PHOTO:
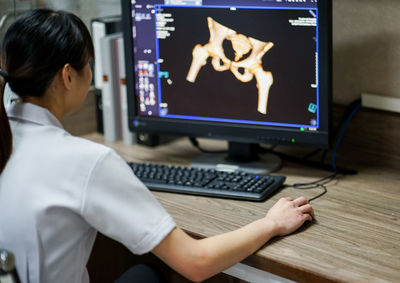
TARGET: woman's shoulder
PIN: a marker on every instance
(84, 154)
(85, 146)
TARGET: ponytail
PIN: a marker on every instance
(5, 130)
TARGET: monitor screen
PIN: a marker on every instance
(246, 71)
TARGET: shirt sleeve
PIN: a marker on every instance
(118, 205)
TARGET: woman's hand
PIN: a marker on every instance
(288, 214)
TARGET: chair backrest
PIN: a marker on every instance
(8, 272)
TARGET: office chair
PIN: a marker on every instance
(8, 273)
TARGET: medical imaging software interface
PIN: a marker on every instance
(252, 62)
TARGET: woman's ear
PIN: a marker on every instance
(66, 76)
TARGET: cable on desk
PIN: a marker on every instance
(339, 132)
(348, 114)
(320, 183)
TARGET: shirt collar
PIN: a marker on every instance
(32, 113)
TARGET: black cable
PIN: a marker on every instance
(323, 187)
(338, 134)
(354, 107)
(320, 183)
(348, 113)
(349, 109)
(196, 144)
(320, 195)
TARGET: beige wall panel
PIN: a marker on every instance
(366, 48)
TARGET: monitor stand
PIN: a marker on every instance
(241, 156)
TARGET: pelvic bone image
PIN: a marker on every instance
(241, 44)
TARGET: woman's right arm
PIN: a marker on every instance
(198, 260)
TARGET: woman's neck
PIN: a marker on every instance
(53, 105)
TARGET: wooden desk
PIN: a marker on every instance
(355, 238)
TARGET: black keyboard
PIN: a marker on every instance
(206, 182)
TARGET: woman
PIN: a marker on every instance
(57, 191)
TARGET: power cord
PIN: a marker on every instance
(348, 114)
(339, 132)
(338, 135)
(346, 118)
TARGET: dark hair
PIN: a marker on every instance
(35, 47)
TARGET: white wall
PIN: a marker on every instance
(87, 9)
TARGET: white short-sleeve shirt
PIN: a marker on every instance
(58, 190)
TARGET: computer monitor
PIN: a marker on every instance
(245, 71)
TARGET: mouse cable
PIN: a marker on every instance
(339, 132)
(348, 114)
(320, 183)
